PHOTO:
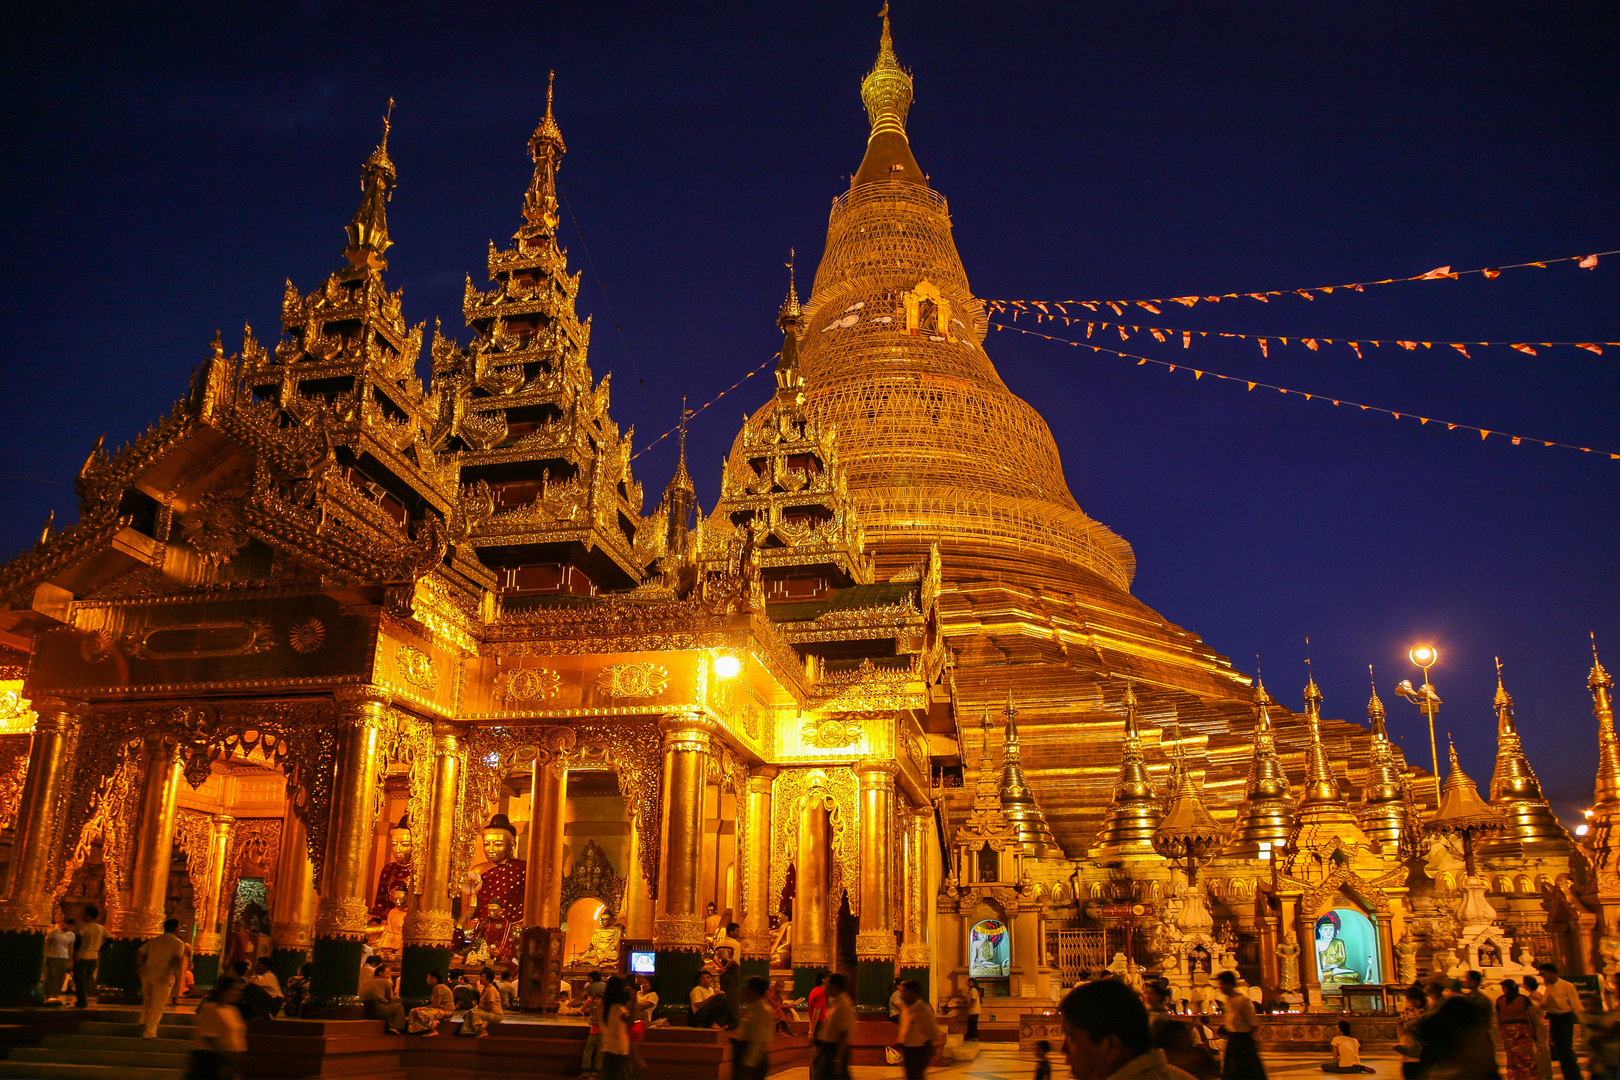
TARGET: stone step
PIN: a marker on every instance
(124, 1055)
(165, 1030)
(66, 1041)
(67, 1070)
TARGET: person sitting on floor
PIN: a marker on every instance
(378, 998)
(424, 1020)
(1346, 1052)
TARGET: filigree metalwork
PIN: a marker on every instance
(416, 667)
(789, 794)
(592, 874)
(527, 684)
(13, 774)
(193, 832)
(831, 734)
(642, 680)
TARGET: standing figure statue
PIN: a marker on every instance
(1406, 959)
(1288, 960)
(397, 871)
(496, 913)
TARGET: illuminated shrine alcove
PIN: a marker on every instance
(579, 923)
(1346, 949)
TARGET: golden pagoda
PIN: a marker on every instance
(1384, 814)
(1267, 818)
(1532, 827)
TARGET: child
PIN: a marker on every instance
(1346, 1052)
(1043, 1067)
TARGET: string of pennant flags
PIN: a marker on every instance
(1439, 273)
(1265, 341)
(1256, 384)
(689, 414)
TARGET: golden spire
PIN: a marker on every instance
(1608, 777)
(1136, 812)
(368, 231)
(886, 90)
(788, 380)
(546, 150)
(1017, 801)
(1462, 811)
(1266, 817)
(1514, 787)
(682, 480)
(1383, 815)
(1321, 788)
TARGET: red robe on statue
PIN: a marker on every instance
(394, 873)
(500, 908)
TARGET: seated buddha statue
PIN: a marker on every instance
(397, 871)
(495, 916)
(393, 935)
(1331, 954)
(603, 950)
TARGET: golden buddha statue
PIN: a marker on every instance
(397, 871)
(603, 950)
(495, 916)
(392, 938)
(1331, 954)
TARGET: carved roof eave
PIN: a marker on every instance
(495, 534)
(91, 534)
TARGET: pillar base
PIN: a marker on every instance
(676, 974)
(804, 980)
(415, 961)
(205, 970)
(284, 961)
(22, 966)
(118, 974)
(919, 975)
(335, 983)
(874, 982)
(752, 967)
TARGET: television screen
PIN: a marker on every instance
(642, 963)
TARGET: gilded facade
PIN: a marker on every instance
(340, 655)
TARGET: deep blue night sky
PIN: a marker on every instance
(163, 178)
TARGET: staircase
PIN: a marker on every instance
(109, 1046)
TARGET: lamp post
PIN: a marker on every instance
(1425, 698)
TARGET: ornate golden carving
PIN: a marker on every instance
(593, 875)
(831, 734)
(416, 667)
(341, 917)
(875, 945)
(837, 787)
(13, 774)
(215, 524)
(435, 928)
(680, 933)
(527, 684)
(194, 834)
(642, 680)
(306, 635)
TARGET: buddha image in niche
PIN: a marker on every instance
(1331, 953)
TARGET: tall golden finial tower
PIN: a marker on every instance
(1135, 811)
(1602, 842)
(1531, 824)
(1266, 817)
(1017, 801)
(1321, 786)
(368, 231)
(1384, 814)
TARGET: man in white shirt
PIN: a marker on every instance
(919, 1032)
(703, 991)
(1563, 1005)
(58, 958)
(88, 954)
(158, 962)
(836, 1030)
(753, 1034)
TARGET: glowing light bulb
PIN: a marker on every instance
(1424, 656)
(727, 666)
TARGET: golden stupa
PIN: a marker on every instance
(939, 451)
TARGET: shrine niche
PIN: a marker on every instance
(593, 875)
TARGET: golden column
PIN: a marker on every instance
(340, 919)
(25, 913)
(756, 873)
(429, 926)
(812, 946)
(915, 957)
(141, 918)
(874, 943)
(293, 911)
(678, 929)
(548, 801)
(638, 890)
(213, 917)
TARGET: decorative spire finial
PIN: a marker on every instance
(886, 90)
(368, 231)
(682, 480)
(1375, 709)
(546, 149)
(1602, 687)
(1321, 787)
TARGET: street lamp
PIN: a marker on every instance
(1425, 698)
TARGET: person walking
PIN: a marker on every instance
(816, 1010)
(616, 1030)
(919, 1030)
(1412, 1012)
(158, 964)
(1514, 1021)
(837, 1029)
(1106, 1034)
(59, 945)
(1538, 1025)
(218, 1035)
(1456, 1040)
(1562, 1003)
(749, 1046)
(1242, 1058)
(975, 998)
(475, 1021)
(87, 955)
